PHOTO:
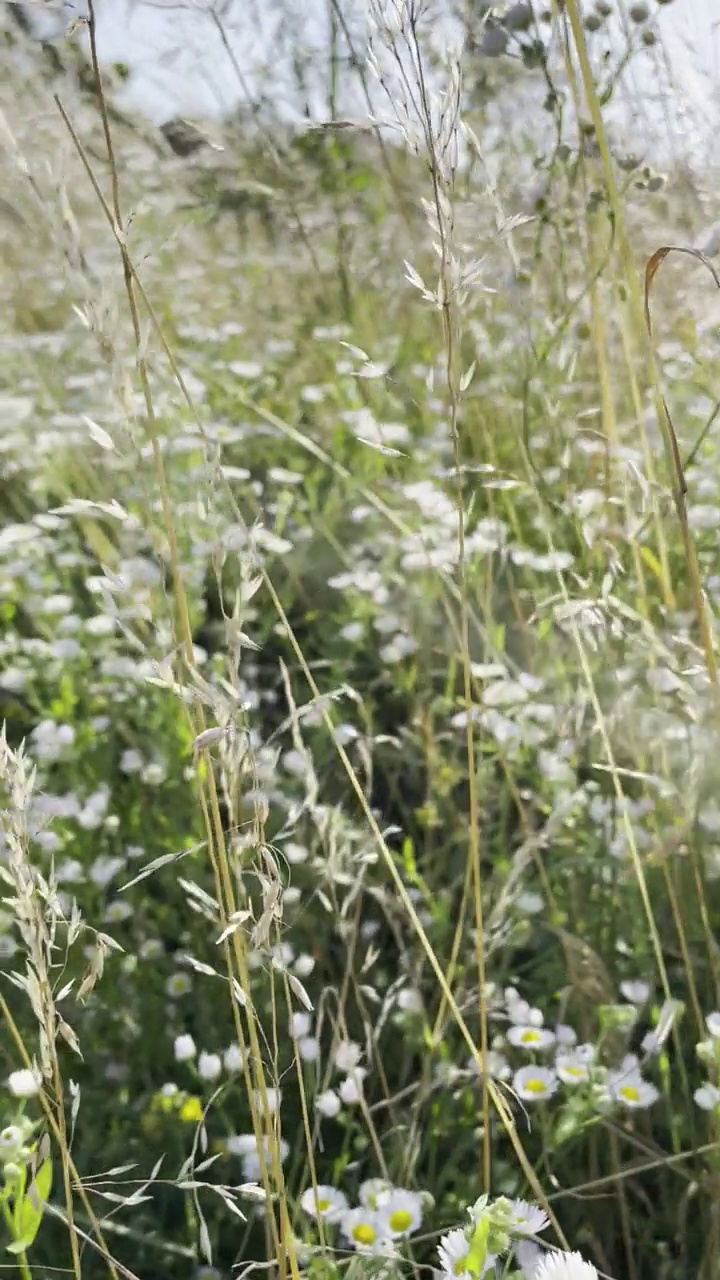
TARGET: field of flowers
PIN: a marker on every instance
(360, 844)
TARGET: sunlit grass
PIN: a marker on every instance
(358, 644)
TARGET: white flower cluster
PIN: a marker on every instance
(385, 1215)
(707, 1096)
(558, 1059)
(498, 1240)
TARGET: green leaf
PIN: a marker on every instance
(29, 1209)
(477, 1253)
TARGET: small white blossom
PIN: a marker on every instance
(565, 1266)
(309, 1049)
(324, 1202)
(24, 1084)
(534, 1084)
(363, 1229)
(530, 1037)
(636, 992)
(708, 1097)
(526, 1219)
(300, 1024)
(631, 1090)
(453, 1251)
(351, 1087)
(233, 1058)
(571, 1068)
(185, 1049)
(400, 1213)
(328, 1104)
(713, 1025)
(347, 1055)
(374, 1192)
(209, 1066)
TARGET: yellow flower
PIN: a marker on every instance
(191, 1110)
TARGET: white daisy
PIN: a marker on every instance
(565, 1266)
(328, 1104)
(528, 1256)
(631, 1090)
(363, 1228)
(565, 1035)
(530, 1037)
(453, 1251)
(713, 1025)
(534, 1084)
(300, 1024)
(635, 992)
(209, 1066)
(708, 1097)
(571, 1069)
(526, 1219)
(496, 1064)
(24, 1083)
(374, 1192)
(347, 1055)
(324, 1202)
(400, 1213)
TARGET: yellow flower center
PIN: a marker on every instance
(630, 1093)
(322, 1205)
(460, 1266)
(364, 1233)
(401, 1220)
(536, 1086)
(530, 1037)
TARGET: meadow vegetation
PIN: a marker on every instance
(358, 665)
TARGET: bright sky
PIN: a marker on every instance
(280, 49)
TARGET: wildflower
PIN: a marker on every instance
(351, 1087)
(12, 1143)
(241, 1144)
(233, 1058)
(309, 1048)
(24, 1084)
(185, 1049)
(245, 1146)
(528, 1256)
(304, 964)
(178, 984)
(347, 1055)
(374, 1192)
(571, 1068)
(409, 1000)
(565, 1266)
(496, 1065)
(454, 1251)
(707, 1097)
(191, 1110)
(635, 992)
(324, 1202)
(131, 761)
(713, 1025)
(521, 1013)
(209, 1066)
(526, 1219)
(273, 1098)
(530, 1037)
(362, 1228)
(328, 1104)
(400, 1213)
(629, 1088)
(300, 1024)
(534, 1084)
